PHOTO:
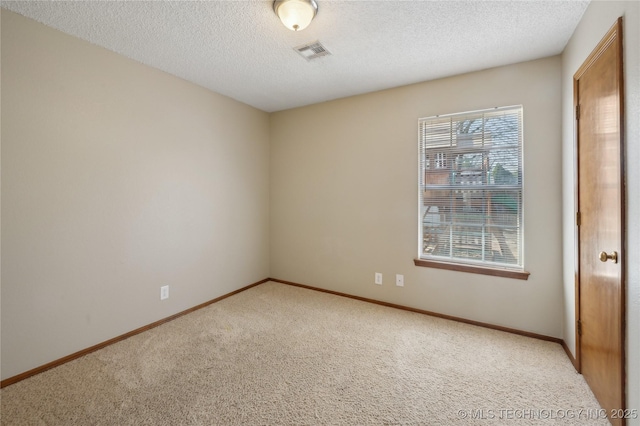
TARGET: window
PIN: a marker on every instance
(470, 190)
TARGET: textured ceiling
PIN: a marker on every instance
(240, 48)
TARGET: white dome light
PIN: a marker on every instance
(296, 14)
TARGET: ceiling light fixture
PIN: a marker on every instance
(295, 14)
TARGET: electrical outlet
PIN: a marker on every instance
(378, 278)
(164, 292)
(400, 280)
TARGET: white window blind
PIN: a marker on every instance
(470, 188)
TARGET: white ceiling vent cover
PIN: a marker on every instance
(312, 50)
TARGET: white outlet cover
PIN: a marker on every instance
(400, 280)
(378, 278)
(164, 292)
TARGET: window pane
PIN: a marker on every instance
(471, 188)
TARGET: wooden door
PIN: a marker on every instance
(598, 91)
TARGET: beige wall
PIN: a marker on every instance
(117, 179)
(597, 20)
(344, 197)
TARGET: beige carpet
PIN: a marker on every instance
(282, 355)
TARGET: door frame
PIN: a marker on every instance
(613, 35)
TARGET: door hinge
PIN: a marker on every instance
(579, 327)
(578, 112)
(577, 218)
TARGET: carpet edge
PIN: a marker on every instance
(557, 340)
(55, 363)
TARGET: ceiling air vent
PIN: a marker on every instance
(312, 50)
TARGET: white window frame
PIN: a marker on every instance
(460, 179)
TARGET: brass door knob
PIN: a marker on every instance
(613, 256)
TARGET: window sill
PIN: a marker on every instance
(518, 275)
